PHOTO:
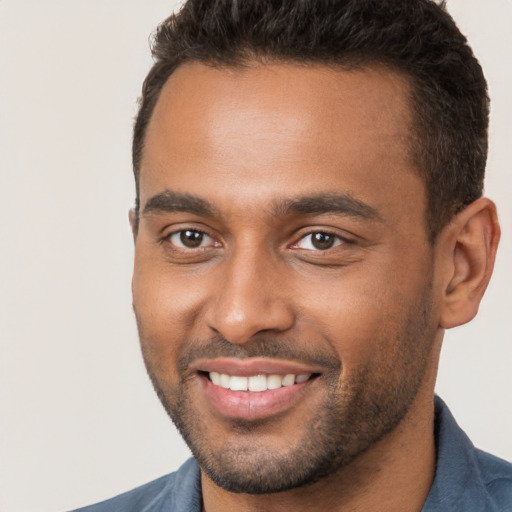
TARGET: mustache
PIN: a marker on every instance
(265, 347)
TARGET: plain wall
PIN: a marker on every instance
(79, 421)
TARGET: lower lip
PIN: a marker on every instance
(251, 405)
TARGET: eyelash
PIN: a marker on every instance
(337, 240)
(168, 238)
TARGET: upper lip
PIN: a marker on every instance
(252, 366)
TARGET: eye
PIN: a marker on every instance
(190, 239)
(319, 241)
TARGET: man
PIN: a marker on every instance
(309, 220)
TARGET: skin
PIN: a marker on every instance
(367, 314)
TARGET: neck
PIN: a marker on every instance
(394, 474)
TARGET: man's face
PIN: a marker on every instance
(283, 278)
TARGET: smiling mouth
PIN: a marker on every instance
(256, 389)
(257, 383)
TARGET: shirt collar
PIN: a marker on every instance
(457, 483)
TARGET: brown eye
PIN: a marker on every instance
(319, 241)
(322, 240)
(190, 239)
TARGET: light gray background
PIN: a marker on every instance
(78, 419)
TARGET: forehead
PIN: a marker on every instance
(263, 130)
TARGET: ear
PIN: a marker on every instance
(132, 216)
(468, 248)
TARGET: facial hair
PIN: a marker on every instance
(352, 415)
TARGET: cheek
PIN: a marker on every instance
(363, 318)
(163, 295)
(166, 307)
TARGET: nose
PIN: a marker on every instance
(250, 299)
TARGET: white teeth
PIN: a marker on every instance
(256, 383)
(215, 377)
(238, 383)
(225, 380)
(274, 381)
(289, 380)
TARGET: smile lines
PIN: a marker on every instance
(256, 383)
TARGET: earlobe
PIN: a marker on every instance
(471, 240)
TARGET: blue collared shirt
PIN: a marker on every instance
(466, 480)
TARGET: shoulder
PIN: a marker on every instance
(135, 500)
(466, 478)
(496, 476)
(177, 491)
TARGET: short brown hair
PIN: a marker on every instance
(415, 37)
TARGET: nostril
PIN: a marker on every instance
(240, 319)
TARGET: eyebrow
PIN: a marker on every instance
(343, 204)
(168, 202)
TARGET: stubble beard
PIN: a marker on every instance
(354, 415)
